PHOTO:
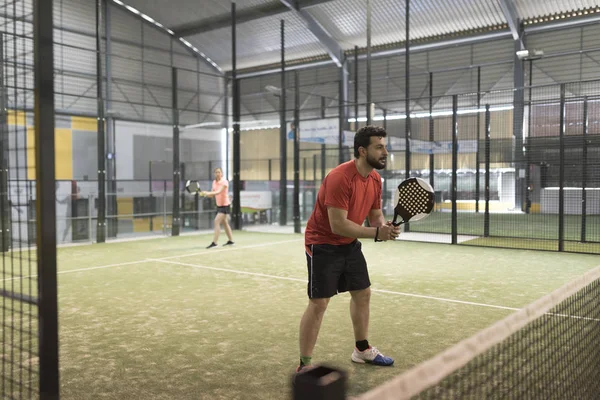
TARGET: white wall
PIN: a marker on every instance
(125, 131)
(572, 196)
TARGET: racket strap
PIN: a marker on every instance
(377, 235)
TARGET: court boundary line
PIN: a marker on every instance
(440, 299)
(145, 260)
(165, 260)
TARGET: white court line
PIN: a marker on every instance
(252, 246)
(79, 270)
(304, 281)
(446, 300)
(227, 270)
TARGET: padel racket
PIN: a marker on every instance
(193, 187)
(414, 200)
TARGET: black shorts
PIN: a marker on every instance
(335, 269)
(224, 209)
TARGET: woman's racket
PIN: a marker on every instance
(414, 200)
(193, 187)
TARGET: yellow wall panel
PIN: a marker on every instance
(16, 118)
(63, 152)
(84, 124)
(125, 205)
(30, 153)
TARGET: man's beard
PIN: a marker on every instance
(377, 163)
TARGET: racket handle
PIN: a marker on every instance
(397, 223)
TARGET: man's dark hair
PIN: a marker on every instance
(363, 137)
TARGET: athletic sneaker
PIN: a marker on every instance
(371, 356)
(229, 243)
(213, 244)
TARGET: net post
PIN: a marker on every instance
(101, 220)
(486, 218)
(297, 153)
(175, 220)
(561, 175)
(454, 167)
(584, 172)
(46, 198)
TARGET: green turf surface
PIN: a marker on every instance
(223, 323)
(528, 226)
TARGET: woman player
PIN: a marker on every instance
(221, 195)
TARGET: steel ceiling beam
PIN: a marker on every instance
(245, 15)
(333, 48)
(512, 17)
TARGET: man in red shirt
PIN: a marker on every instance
(350, 193)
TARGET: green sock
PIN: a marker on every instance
(305, 360)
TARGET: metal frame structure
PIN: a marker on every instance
(47, 301)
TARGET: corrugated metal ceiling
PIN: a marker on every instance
(259, 42)
(177, 12)
(529, 9)
(345, 20)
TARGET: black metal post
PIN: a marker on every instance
(111, 173)
(175, 219)
(527, 143)
(4, 147)
(304, 191)
(407, 101)
(477, 161)
(561, 174)
(314, 190)
(101, 220)
(431, 132)
(323, 107)
(235, 89)
(369, 95)
(282, 138)
(454, 167)
(486, 218)
(270, 170)
(210, 170)
(384, 173)
(518, 117)
(297, 153)
(584, 172)
(323, 161)
(152, 208)
(225, 123)
(43, 54)
(355, 88)
(341, 106)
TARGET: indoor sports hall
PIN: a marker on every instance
(160, 162)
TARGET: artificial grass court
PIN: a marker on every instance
(166, 319)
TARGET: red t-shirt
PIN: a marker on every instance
(343, 188)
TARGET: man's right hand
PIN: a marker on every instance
(388, 232)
